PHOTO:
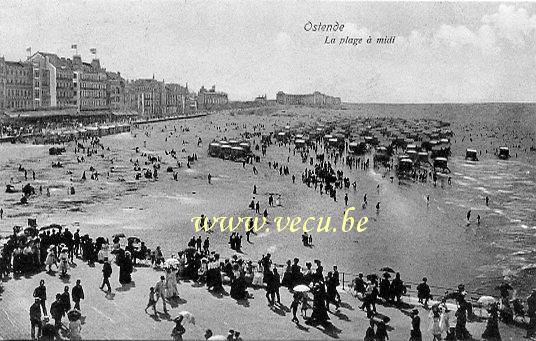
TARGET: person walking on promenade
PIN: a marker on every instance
(209, 178)
(77, 294)
(106, 273)
(178, 330)
(415, 334)
(57, 312)
(160, 290)
(152, 301)
(531, 312)
(41, 293)
(35, 318)
(66, 299)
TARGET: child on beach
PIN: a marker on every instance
(152, 301)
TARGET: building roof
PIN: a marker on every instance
(21, 64)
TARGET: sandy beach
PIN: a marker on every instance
(407, 235)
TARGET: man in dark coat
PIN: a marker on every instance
(41, 293)
(35, 318)
(77, 294)
(66, 299)
(106, 273)
(57, 312)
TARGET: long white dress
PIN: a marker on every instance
(103, 253)
(64, 262)
(258, 276)
(51, 258)
(171, 284)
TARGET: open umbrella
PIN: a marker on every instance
(171, 262)
(134, 239)
(486, 300)
(217, 338)
(119, 235)
(387, 269)
(51, 226)
(301, 288)
(188, 316)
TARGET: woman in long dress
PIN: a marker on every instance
(287, 276)
(51, 258)
(171, 284)
(125, 269)
(103, 253)
(435, 323)
(258, 276)
(64, 262)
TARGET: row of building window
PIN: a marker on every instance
(93, 103)
(20, 104)
(93, 85)
(18, 93)
(93, 93)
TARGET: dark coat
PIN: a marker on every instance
(78, 293)
(35, 312)
(56, 310)
(40, 292)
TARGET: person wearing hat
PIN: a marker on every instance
(237, 336)
(230, 336)
(160, 290)
(77, 294)
(178, 330)
(64, 261)
(35, 318)
(41, 293)
(106, 273)
(415, 334)
(57, 311)
(66, 299)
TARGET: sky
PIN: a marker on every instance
(443, 52)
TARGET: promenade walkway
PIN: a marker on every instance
(120, 315)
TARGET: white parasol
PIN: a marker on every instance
(301, 288)
(486, 300)
(171, 262)
(188, 316)
(217, 338)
